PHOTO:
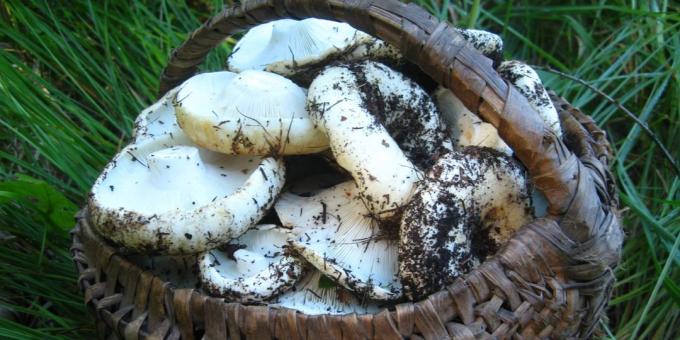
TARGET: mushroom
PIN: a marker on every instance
(286, 46)
(337, 236)
(251, 268)
(360, 144)
(317, 294)
(529, 84)
(160, 196)
(253, 113)
(470, 203)
(465, 128)
(487, 43)
(157, 119)
(405, 110)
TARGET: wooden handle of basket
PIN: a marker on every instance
(445, 56)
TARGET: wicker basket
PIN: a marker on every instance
(552, 279)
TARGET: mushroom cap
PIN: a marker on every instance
(251, 268)
(253, 113)
(360, 144)
(157, 119)
(487, 43)
(471, 193)
(315, 294)
(405, 110)
(287, 45)
(337, 236)
(160, 196)
(529, 84)
(464, 127)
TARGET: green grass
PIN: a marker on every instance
(74, 76)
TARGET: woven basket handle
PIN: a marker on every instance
(445, 56)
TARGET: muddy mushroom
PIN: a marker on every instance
(474, 193)
(316, 294)
(286, 46)
(529, 84)
(360, 144)
(251, 268)
(160, 196)
(405, 110)
(157, 119)
(464, 127)
(337, 236)
(253, 113)
(487, 43)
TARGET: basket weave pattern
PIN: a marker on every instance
(552, 279)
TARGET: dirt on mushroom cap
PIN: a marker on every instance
(250, 113)
(471, 201)
(146, 212)
(251, 268)
(360, 144)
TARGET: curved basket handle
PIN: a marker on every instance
(578, 206)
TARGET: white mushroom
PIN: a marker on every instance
(337, 236)
(157, 119)
(405, 110)
(251, 268)
(465, 128)
(487, 43)
(360, 144)
(254, 113)
(529, 84)
(159, 196)
(285, 46)
(470, 203)
(316, 294)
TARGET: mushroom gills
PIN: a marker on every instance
(157, 196)
(252, 113)
(251, 268)
(470, 203)
(336, 234)
(315, 294)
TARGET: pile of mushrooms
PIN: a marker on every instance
(314, 174)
